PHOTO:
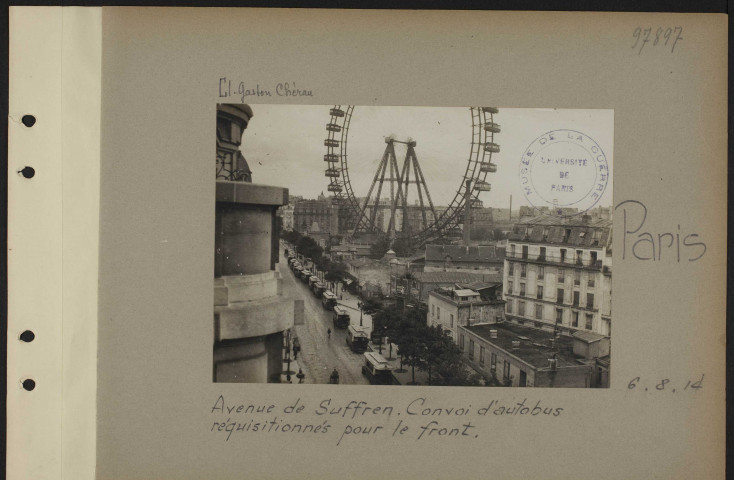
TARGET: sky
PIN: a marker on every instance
(284, 146)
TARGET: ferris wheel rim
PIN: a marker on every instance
(482, 137)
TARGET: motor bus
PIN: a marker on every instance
(328, 300)
(305, 275)
(297, 269)
(318, 289)
(377, 370)
(341, 317)
(312, 280)
(357, 338)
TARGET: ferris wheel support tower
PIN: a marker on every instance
(399, 180)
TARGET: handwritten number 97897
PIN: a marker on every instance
(661, 37)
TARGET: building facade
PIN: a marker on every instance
(320, 212)
(487, 259)
(517, 356)
(454, 307)
(557, 274)
(251, 316)
(286, 214)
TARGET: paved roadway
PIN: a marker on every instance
(320, 354)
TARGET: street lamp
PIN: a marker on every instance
(360, 305)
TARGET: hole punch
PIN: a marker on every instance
(29, 384)
(27, 172)
(28, 120)
(27, 336)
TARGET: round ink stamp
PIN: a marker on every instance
(565, 170)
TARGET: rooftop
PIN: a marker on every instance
(580, 231)
(456, 277)
(534, 345)
(462, 253)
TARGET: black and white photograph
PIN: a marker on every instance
(400, 245)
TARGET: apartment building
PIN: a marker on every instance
(558, 274)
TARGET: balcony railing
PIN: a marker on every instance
(556, 260)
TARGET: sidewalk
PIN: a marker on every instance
(350, 302)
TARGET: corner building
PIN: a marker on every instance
(558, 274)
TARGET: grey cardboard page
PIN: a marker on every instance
(653, 87)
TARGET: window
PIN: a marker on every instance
(512, 250)
(538, 311)
(561, 275)
(563, 255)
(591, 282)
(559, 315)
(566, 235)
(461, 342)
(433, 309)
(541, 273)
(522, 289)
(452, 320)
(510, 287)
(589, 321)
(589, 300)
(593, 258)
(524, 251)
(559, 295)
(576, 299)
(577, 277)
(481, 355)
(438, 313)
(540, 292)
(509, 306)
(471, 349)
(575, 317)
(511, 268)
(579, 257)
(521, 308)
(542, 254)
(506, 369)
(493, 362)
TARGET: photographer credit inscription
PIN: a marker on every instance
(564, 169)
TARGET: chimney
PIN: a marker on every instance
(586, 219)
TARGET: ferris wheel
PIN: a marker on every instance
(431, 222)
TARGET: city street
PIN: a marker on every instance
(319, 355)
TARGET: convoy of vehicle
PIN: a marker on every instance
(377, 370)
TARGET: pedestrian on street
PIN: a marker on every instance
(328, 332)
(288, 378)
(300, 375)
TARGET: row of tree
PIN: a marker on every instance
(308, 247)
(428, 348)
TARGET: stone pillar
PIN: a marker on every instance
(250, 311)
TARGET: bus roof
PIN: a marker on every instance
(378, 360)
(357, 330)
(340, 310)
(328, 294)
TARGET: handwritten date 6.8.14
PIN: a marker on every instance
(665, 384)
(666, 37)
